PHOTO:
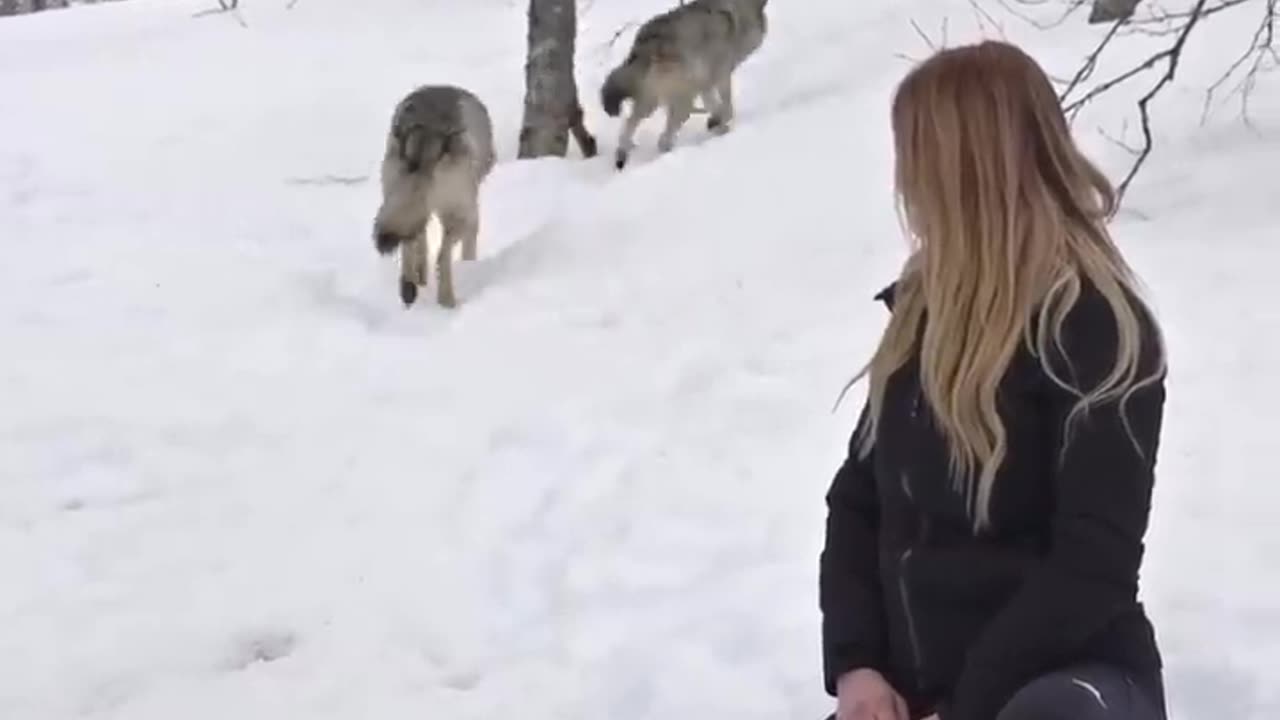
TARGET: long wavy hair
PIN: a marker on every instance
(1006, 218)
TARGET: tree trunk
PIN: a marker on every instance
(1106, 11)
(552, 110)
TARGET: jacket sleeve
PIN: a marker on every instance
(1102, 493)
(853, 631)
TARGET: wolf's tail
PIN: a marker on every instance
(622, 84)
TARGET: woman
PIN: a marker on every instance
(985, 533)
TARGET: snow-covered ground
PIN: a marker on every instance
(239, 480)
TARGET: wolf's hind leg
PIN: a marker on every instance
(678, 113)
(711, 102)
(470, 235)
(724, 111)
(458, 226)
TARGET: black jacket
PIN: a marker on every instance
(959, 621)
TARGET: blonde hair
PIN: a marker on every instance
(1006, 219)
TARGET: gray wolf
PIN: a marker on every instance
(439, 150)
(687, 52)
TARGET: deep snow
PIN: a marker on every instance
(238, 480)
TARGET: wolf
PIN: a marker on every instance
(439, 151)
(687, 52)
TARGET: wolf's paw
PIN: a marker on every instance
(620, 159)
(446, 298)
(408, 291)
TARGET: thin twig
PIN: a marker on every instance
(1162, 17)
(1169, 55)
(981, 12)
(1119, 141)
(1156, 21)
(1173, 55)
(1260, 50)
(1040, 24)
(224, 7)
(1091, 62)
(923, 36)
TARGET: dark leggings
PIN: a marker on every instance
(1088, 692)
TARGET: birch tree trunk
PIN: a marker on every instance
(552, 110)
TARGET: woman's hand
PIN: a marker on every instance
(865, 695)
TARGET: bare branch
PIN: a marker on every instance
(1172, 56)
(930, 42)
(1040, 24)
(1091, 62)
(1261, 56)
(1160, 17)
(1154, 19)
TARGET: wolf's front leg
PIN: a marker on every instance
(641, 109)
(413, 267)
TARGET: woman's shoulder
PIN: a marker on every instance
(1092, 317)
(1093, 330)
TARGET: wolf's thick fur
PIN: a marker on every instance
(687, 52)
(439, 151)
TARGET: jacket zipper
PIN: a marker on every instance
(913, 636)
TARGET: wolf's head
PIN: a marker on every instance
(422, 149)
